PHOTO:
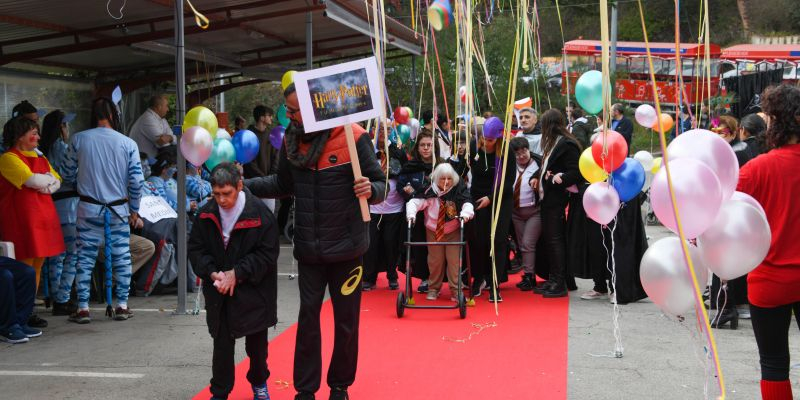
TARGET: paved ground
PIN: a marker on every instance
(158, 355)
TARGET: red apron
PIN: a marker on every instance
(29, 218)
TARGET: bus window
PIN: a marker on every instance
(580, 64)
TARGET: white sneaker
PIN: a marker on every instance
(432, 295)
(593, 295)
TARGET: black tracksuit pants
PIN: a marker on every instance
(223, 367)
(384, 245)
(343, 280)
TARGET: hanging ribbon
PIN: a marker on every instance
(199, 18)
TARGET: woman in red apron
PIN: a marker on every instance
(28, 216)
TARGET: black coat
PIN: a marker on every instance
(252, 253)
(563, 159)
(328, 224)
(625, 128)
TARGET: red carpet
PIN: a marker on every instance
(523, 357)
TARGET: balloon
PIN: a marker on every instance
(666, 122)
(287, 79)
(222, 134)
(410, 112)
(589, 169)
(116, 95)
(413, 124)
(401, 115)
(493, 128)
(196, 144)
(617, 151)
(648, 180)
(276, 136)
(656, 165)
(628, 179)
(601, 202)
(245, 143)
(697, 193)
(739, 196)
(404, 133)
(737, 241)
(712, 150)
(283, 119)
(644, 158)
(201, 116)
(462, 92)
(223, 151)
(666, 278)
(589, 91)
(646, 116)
(436, 16)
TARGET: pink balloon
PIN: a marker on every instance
(665, 275)
(196, 144)
(737, 242)
(646, 115)
(739, 196)
(697, 193)
(714, 151)
(601, 202)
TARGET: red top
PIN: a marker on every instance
(29, 218)
(770, 180)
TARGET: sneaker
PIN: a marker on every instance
(493, 299)
(593, 295)
(304, 396)
(35, 322)
(542, 287)
(477, 288)
(432, 295)
(260, 392)
(67, 308)
(13, 335)
(423, 287)
(393, 285)
(80, 317)
(612, 298)
(122, 314)
(339, 394)
(31, 332)
(367, 286)
(555, 290)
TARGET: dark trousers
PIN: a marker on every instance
(384, 245)
(17, 290)
(223, 367)
(736, 292)
(343, 280)
(283, 212)
(771, 328)
(554, 227)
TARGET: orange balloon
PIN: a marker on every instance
(666, 123)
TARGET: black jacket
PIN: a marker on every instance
(252, 253)
(328, 226)
(266, 162)
(582, 131)
(457, 196)
(564, 159)
(625, 128)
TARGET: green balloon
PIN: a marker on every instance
(589, 92)
(223, 151)
(404, 133)
(283, 119)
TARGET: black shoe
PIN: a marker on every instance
(542, 287)
(492, 298)
(728, 315)
(35, 322)
(476, 289)
(367, 286)
(555, 290)
(339, 394)
(423, 287)
(304, 396)
(393, 285)
(64, 308)
(526, 284)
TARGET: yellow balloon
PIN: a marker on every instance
(589, 168)
(287, 79)
(666, 123)
(656, 165)
(201, 116)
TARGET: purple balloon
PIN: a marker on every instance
(246, 144)
(276, 136)
(493, 128)
(601, 202)
(712, 150)
(697, 193)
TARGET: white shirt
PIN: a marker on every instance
(230, 216)
(526, 197)
(393, 202)
(146, 131)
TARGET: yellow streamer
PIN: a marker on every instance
(199, 18)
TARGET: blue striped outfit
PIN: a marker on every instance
(61, 268)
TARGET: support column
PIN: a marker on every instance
(180, 110)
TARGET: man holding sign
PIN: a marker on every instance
(321, 163)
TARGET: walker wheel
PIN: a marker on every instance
(462, 306)
(401, 299)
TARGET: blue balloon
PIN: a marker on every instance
(246, 144)
(589, 91)
(628, 179)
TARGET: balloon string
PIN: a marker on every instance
(611, 286)
(684, 244)
(199, 18)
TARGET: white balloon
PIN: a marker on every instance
(222, 134)
(646, 116)
(737, 241)
(644, 158)
(739, 196)
(665, 275)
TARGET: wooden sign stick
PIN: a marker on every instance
(351, 148)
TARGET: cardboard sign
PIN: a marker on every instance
(339, 95)
(154, 209)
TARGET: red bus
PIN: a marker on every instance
(633, 72)
(749, 58)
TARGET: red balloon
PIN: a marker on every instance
(616, 154)
(401, 115)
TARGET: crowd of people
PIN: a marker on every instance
(520, 197)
